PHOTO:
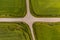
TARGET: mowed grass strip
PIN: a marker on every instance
(14, 31)
(45, 8)
(12, 8)
(46, 30)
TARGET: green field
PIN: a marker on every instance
(12, 8)
(46, 30)
(14, 31)
(45, 8)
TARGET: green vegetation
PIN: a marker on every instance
(46, 31)
(14, 31)
(12, 8)
(45, 8)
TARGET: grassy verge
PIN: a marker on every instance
(45, 8)
(12, 8)
(14, 31)
(47, 30)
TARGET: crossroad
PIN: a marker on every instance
(29, 19)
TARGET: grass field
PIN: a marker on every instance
(45, 8)
(12, 8)
(46, 30)
(14, 31)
